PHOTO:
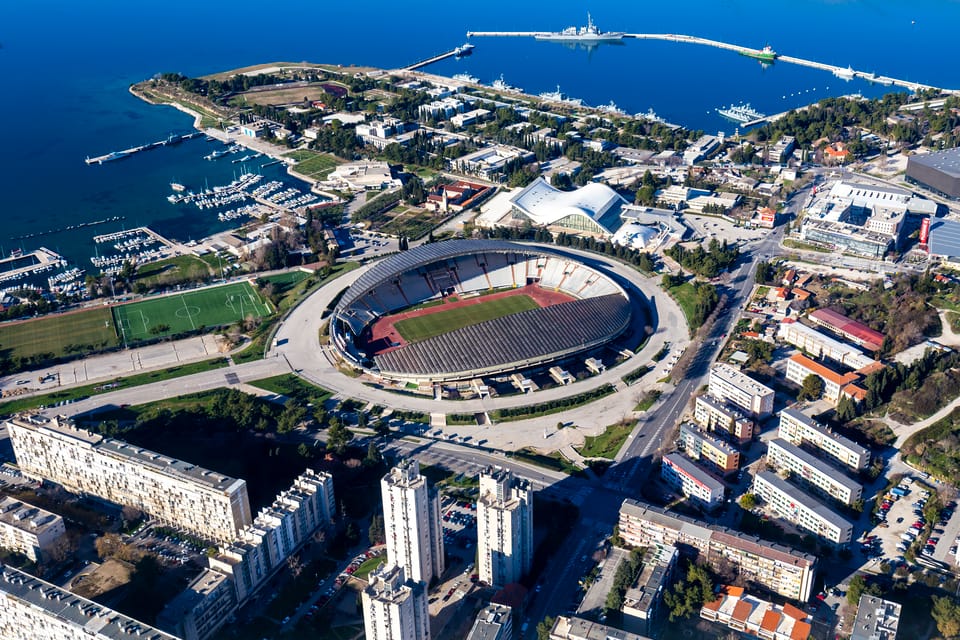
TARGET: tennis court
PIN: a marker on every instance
(190, 311)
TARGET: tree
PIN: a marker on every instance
(374, 457)
(304, 450)
(846, 409)
(295, 565)
(946, 611)
(686, 597)
(337, 437)
(376, 532)
(858, 585)
(544, 628)
(748, 501)
(811, 389)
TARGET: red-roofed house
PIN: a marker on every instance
(751, 615)
(852, 330)
(766, 218)
(836, 152)
(800, 366)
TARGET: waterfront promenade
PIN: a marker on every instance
(843, 72)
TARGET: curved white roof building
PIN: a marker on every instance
(594, 208)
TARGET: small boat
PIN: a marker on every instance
(176, 186)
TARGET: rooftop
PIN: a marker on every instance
(570, 628)
(739, 379)
(816, 463)
(877, 619)
(842, 324)
(490, 622)
(823, 371)
(546, 205)
(27, 517)
(945, 161)
(944, 238)
(799, 497)
(813, 425)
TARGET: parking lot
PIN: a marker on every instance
(902, 522)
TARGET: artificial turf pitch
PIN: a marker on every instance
(189, 311)
(442, 321)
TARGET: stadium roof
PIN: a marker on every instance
(945, 238)
(594, 203)
(521, 339)
(423, 255)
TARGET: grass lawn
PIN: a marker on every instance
(367, 566)
(411, 222)
(60, 335)
(434, 324)
(286, 280)
(293, 387)
(608, 443)
(175, 269)
(686, 297)
(190, 310)
(313, 164)
(74, 393)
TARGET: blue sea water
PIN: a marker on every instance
(65, 68)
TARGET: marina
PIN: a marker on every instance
(172, 139)
(138, 246)
(19, 265)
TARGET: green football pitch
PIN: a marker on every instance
(433, 324)
(59, 335)
(189, 311)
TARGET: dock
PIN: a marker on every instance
(843, 72)
(459, 51)
(20, 265)
(126, 153)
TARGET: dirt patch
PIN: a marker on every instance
(109, 576)
(382, 336)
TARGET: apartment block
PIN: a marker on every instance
(32, 609)
(504, 527)
(740, 611)
(208, 504)
(692, 481)
(796, 507)
(778, 568)
(799, 428)
(714, 415)
(571, 628)
(279, 530)
(494, 622)
(877, 619)
(820, 345)
(201, 609)
(394, 608)
(729, 384)
(29, 530)
(641, 602)
(411, 519)
(813, 471)
(800, 366)
(712, 452)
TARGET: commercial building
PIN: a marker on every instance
(835, 385)
(798, 508)
(799, 428)
(877, 619)
(712, 452)
(778, 568)
(493, 622)
(820, 345)
(750, 615)
(939, 172)
(205, 503)
(411, 521)
(394, 608)
(854, 331)
(504, 527)
(714, 415)
(690, 480)
(279, 530)
(944, 241)
(818, 474)
(490, 163)
(380, 134)
(729, 384)
(641, 602)
(699, 150)
(29, 530)
(571, 628)
(31, 608)
(592, 209)
(201, 609)
(366, 174)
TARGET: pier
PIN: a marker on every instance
(842, 72)
(126, 153)
(459, 51)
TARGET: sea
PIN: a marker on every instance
(65, 69)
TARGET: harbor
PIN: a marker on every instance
(126, 153)
(458, 52)
(137, 246)
(20, 266)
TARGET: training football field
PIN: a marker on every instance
(189, 311)
(441, 321)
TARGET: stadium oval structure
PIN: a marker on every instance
(578, 308)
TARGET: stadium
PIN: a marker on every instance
(462, 309)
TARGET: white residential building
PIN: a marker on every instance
(716, 454)
(815, 472)
(877, 619)
(685, 476)
(799, 428)
(731, 385)
(394, 608)
(572, 628)
(411, 520)
(504, 527)
(820, 345)
(798, 508)
(200, 609)
(494, 622)
(208, 504)
(32, 609)
(27, 529)
(714, 415)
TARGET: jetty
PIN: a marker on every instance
(21, 265)
(462, 50)
(126, 153)
(843, 72)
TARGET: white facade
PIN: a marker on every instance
(831, 481)
(691, 480)
(32, 609)
(411, 521)
(202, 608)
(714, 415)
(27, 529)
(797, 428)
(504, 527)
(494, 622)
(798, 508)
(593, 208)
(394, 608)
(205, 503)
(731, 385)
(821, 345)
